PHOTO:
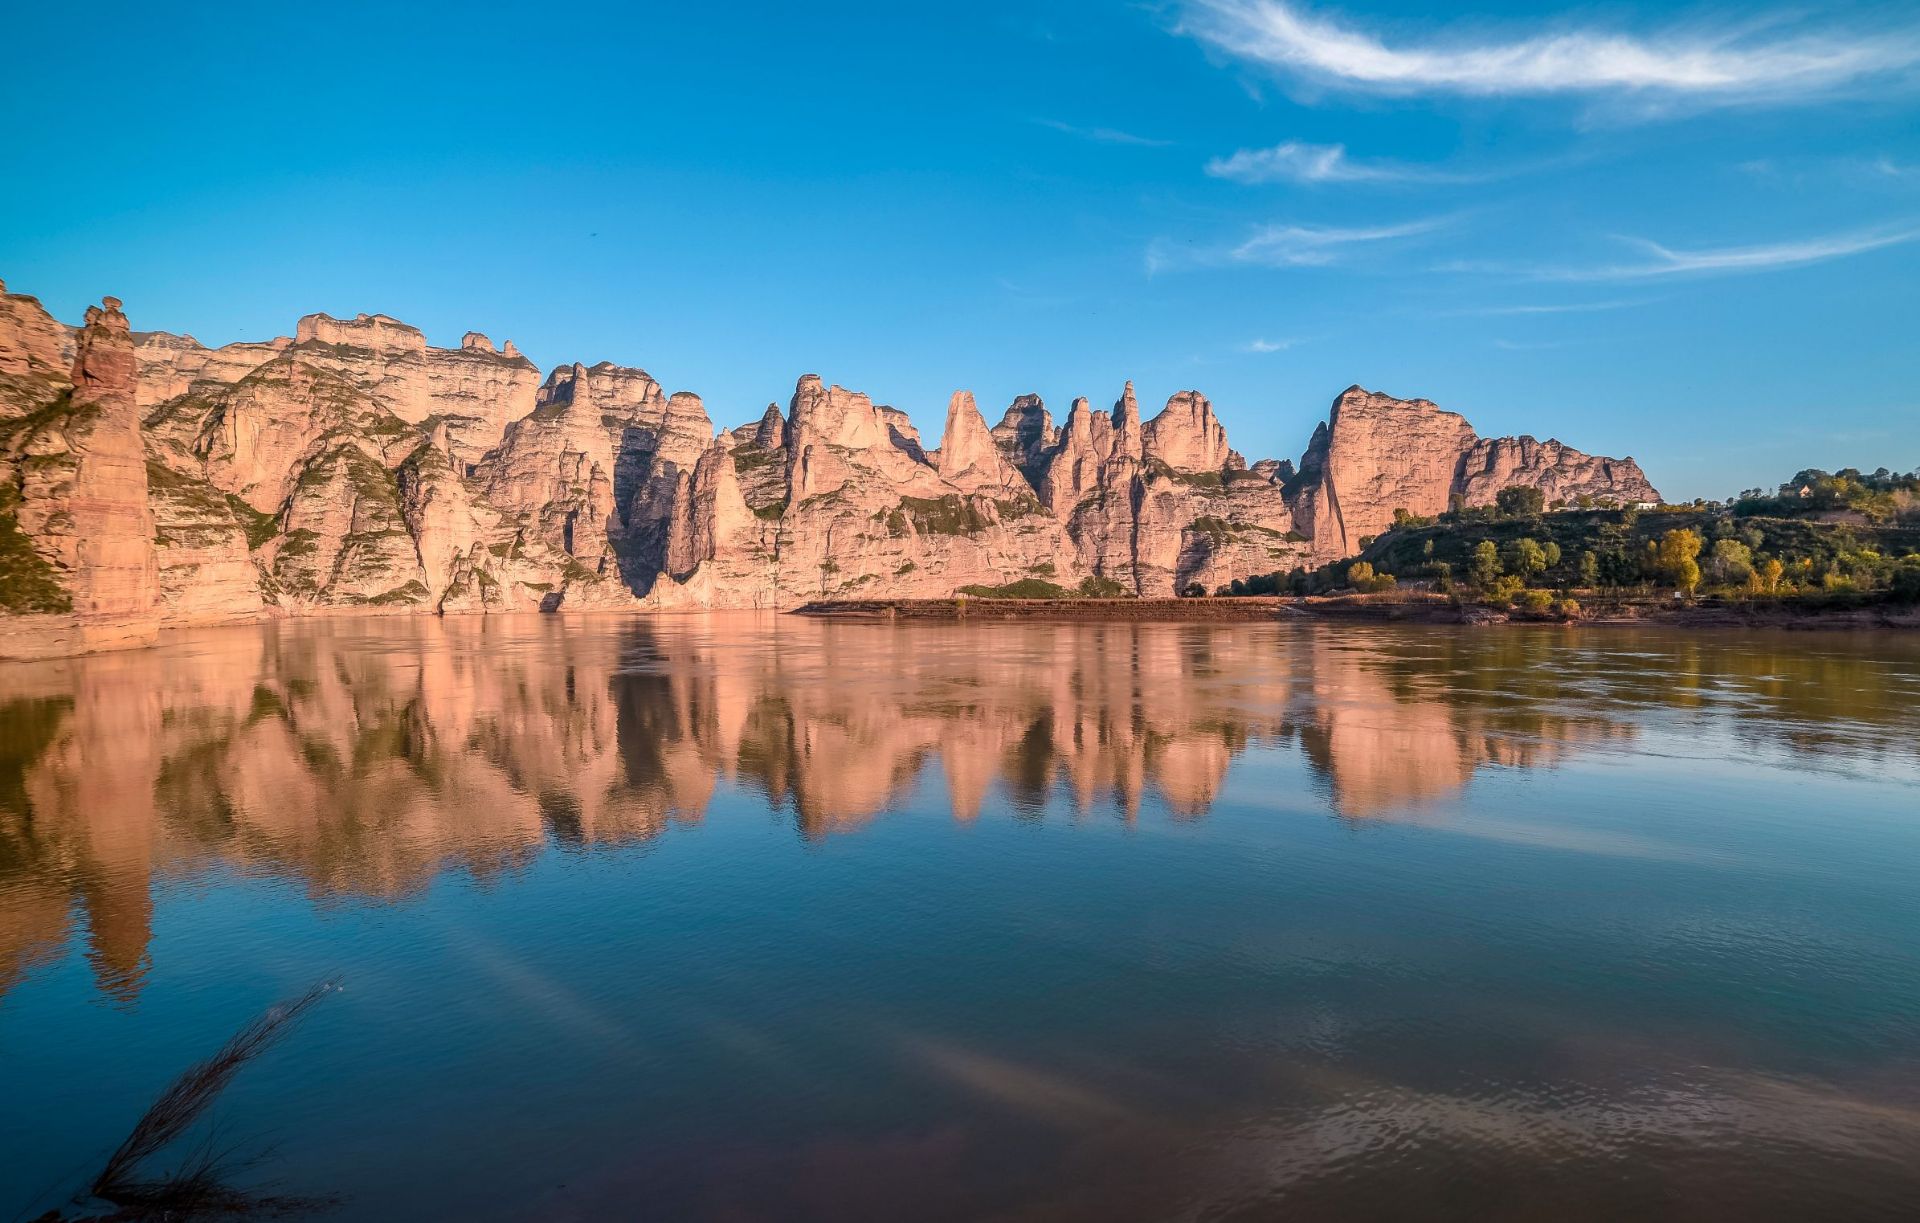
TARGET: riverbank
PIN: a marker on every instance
(962, 607)
(1401, 607)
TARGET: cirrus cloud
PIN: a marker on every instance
(1751, 62)
(1288, 245)
(1297, 161)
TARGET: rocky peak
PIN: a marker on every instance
(1128, 435)
(1273, 471)
(1377, 454)
(1026, 435)
(969, 459)
(103, 369)
(1086, 439)
(771, 432)
(836, 416)
(475, 341)
(388, 336)
(605, 387)
(1186, 436)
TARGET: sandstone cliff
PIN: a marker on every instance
(77, 537)
(1377, 454)
(147, 479)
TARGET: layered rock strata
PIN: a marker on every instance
(352, 466)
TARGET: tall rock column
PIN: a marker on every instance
(115, 573)
(81, 495)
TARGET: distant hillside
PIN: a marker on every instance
(1844, 536)
(1785, 545)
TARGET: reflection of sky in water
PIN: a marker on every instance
(776, 918)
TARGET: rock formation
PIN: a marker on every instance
(148, 479)
(1377, 454)
(73, 487)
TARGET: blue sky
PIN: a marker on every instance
(1687, 234)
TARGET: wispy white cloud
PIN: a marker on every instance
(1287, 246)
(1660, 261)
(1299, 162)
(1667, 261)
(1104, 135)
(1265, 346)
(1752, 62)
(1315, 246)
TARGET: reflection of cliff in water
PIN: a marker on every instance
(364, 761)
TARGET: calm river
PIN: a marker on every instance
(745, 918)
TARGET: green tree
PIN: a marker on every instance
(1730, 561)
(1536, 600)
(1589, 569)
(1519, 501)
(1524, 558)
(1551, 551)
(1485, 565)
(1502, 591)
(1905, 582)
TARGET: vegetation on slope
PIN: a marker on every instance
(1849, 539)
(27, 582)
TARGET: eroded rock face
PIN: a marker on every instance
(851, 503)
(169, 365)
(1187, 436)
(1559, 471)
(1026, 435)
(472, 390)
(1377, 454)
(354, 466)
(33, 346)
(969, 457)
(73, 475)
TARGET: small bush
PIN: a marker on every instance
(1025, 588)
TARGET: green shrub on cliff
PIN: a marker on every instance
(27, 582)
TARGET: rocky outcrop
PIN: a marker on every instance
(1187, 437)
(1558, 470)
(969, 457)
(33, 347)
(1026, 435)
(169, 365)
(353, 466)
(1377, 454)
(74, 474)
(474, 391)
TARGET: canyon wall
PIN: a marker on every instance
(148, 480)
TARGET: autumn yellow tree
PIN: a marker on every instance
(1770, 571)
(1679, 555)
